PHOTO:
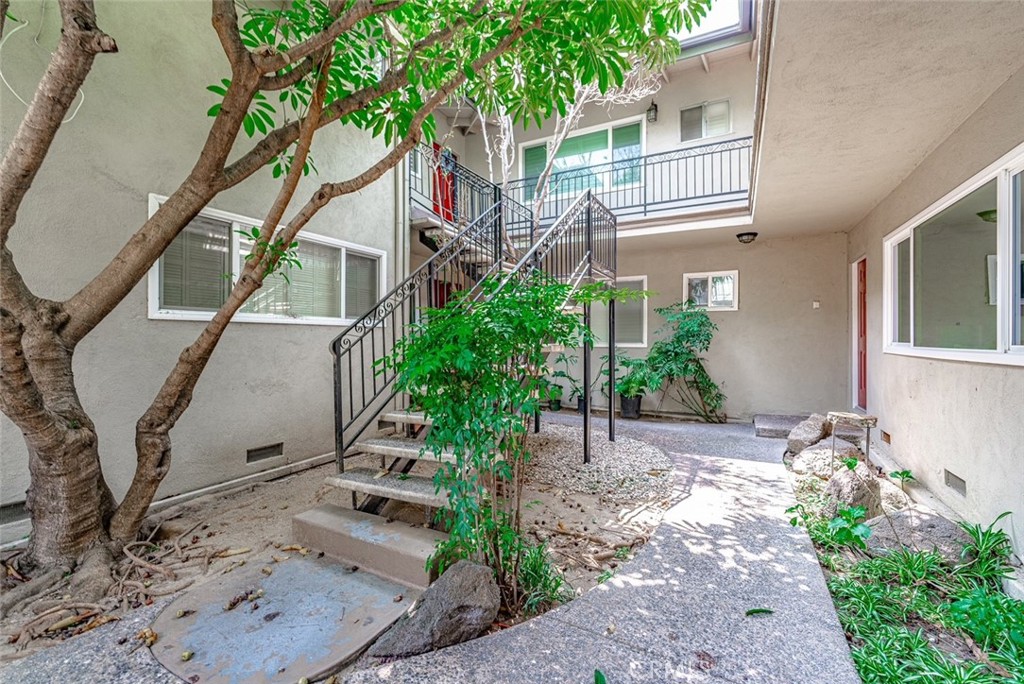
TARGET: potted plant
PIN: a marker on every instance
(575, 386)
(554, 393)
(637, 379)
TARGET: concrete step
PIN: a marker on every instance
(406, 418)
(395, 550)
(398, 447)
(552, 348)
(575, 310)
(413, 489)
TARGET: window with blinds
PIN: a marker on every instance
(196, 273)
(580, 152)
(630, 317)
(706, 120)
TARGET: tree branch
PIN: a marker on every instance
(152, 438)
(287, 79)
(20, 398)
(225, 23)
(360, 10)
(81, 40)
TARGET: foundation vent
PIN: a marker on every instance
(886, 437)
(956, 483)
(264, 452)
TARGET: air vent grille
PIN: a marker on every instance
(264, 452)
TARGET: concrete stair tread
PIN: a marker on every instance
(414, 489)
(399, 447)
(394, 550)
(407, 417)
(552, 348)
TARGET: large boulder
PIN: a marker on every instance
(817, 460)
(458, 607)
(807, 433)
(857, 487)
(917, 527)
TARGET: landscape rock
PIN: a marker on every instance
(917, 527)
(808, 433)
(857, 487)
(817, 460)
(893, 497)
(458, 607)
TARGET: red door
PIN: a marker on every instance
(444, 183)
(862, 333)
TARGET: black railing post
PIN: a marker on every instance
(499, 232)
(339, 419)
(586, 387)
(611, 370)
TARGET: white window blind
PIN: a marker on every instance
(630, 318)
(361, 279)
(194, 269)
(313, 290)
(705, 121)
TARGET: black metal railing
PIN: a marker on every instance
(580, 243)
(700, 177)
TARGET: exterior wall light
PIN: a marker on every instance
(746, 238)
(652, 113)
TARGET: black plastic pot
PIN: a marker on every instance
(555, 404)
(630, 406)
(581, 405)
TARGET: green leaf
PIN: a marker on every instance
(759, 611)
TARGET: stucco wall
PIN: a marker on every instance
(731, 79)
(139, 132)
(965, 417)
(777, 353)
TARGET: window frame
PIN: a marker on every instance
(702, 140)
(236, 260)
(1002, 170)
(709, 274)
(642, 279)
(609, 126)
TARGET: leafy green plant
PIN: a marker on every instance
(564, 363)
(991, 618)
(677, 360)
(848, 529)
(637, 379)
(541, 582)
(986, 558)
(904, 476)
(605, 576)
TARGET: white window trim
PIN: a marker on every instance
(704, 139)
(735, 285)
(642, 279)
(536, 142)
(1004, 354)
(237, 220)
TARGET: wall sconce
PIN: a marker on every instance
(652, 113)
(746, 238)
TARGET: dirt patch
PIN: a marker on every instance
(592, 518)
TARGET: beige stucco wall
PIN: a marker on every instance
(139, 132)
(965, 417)
(777, 353)
(731, 79)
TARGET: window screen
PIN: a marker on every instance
(361, 284)
(629, 318)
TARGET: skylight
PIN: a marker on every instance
(725, 19)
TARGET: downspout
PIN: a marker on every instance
(401, 209)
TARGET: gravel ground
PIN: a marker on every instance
(106, 655)
(623, 471)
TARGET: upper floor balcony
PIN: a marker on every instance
(694, 180)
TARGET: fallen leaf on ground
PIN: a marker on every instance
(759, 611)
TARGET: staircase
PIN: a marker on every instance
(473, 240)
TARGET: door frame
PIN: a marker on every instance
(855, 328)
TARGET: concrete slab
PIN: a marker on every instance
(391, 485)
(393, 550)
(779, 426)
(312, 617)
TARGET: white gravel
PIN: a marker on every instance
(626, 470)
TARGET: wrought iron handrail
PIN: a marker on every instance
(696, 177)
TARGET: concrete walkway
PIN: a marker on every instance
(677, 612)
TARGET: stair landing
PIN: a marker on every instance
(314, 617)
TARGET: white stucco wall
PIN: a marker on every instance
(777, 353)
(139, 131)
(964, 417)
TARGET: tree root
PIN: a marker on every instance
(23, 593)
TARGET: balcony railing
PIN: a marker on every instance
(696, 178)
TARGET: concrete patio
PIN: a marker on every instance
(677, 612)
